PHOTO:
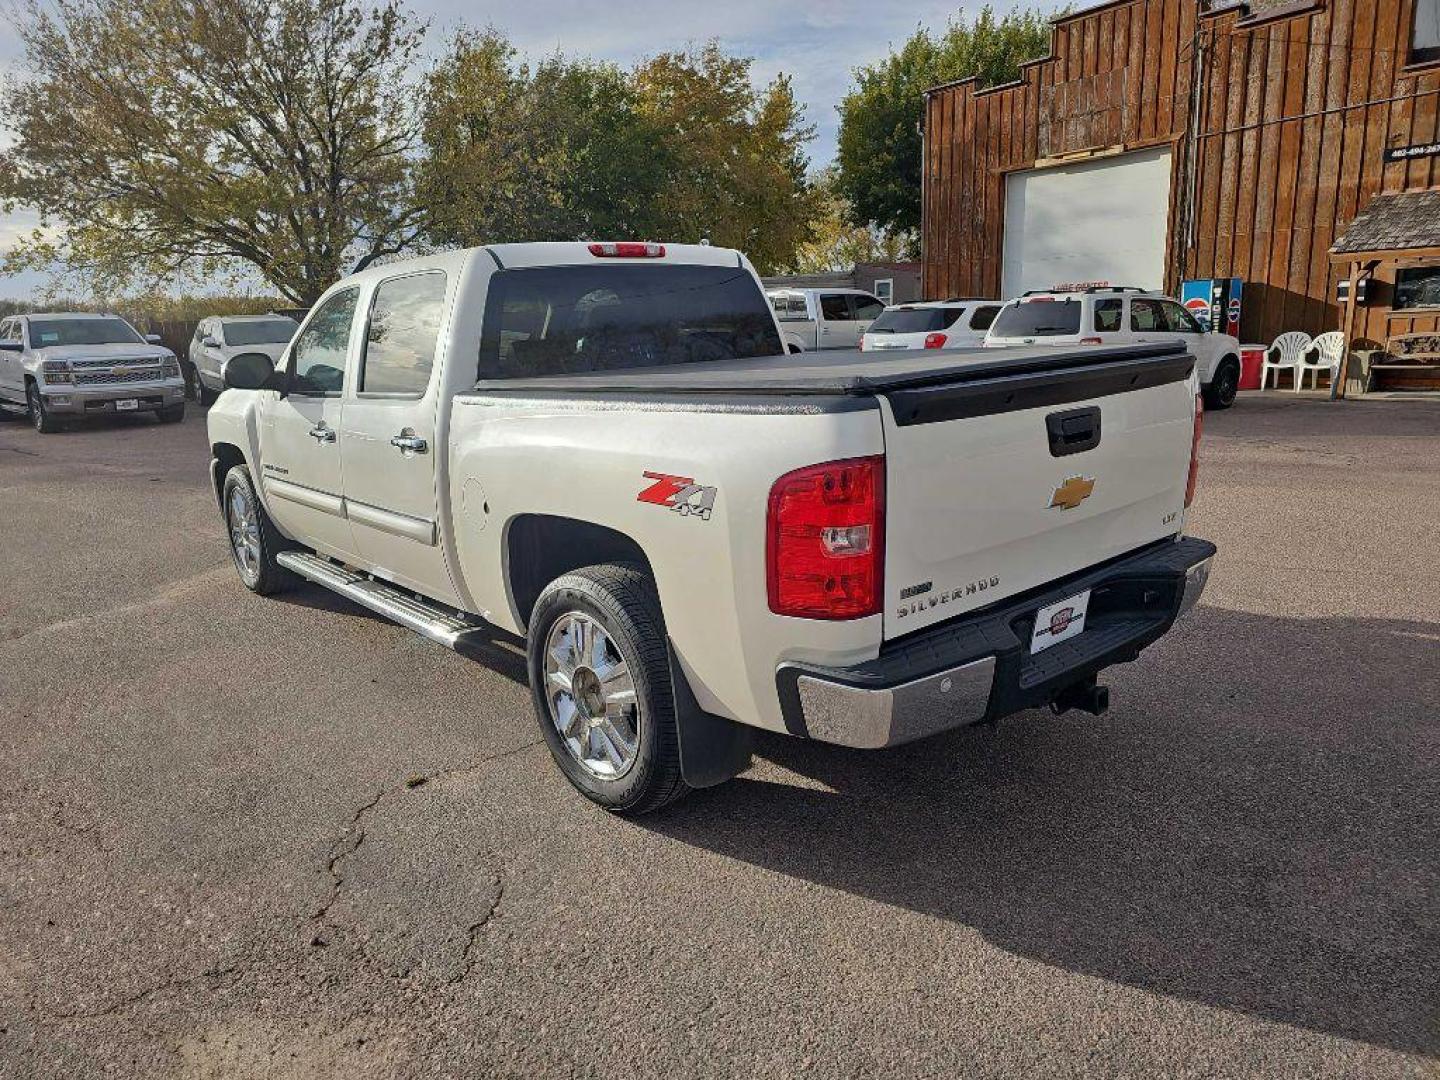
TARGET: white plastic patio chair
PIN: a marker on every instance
(1324, 354)
(1284, 355)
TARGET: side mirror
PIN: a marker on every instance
(251, 371)
(209, 342)
(153, 339)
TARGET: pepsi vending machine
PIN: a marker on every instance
(1215, 303)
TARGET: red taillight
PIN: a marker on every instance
(627, 250)
(935, 341)
(825, 541)
(1092, 341)
(1195, 452)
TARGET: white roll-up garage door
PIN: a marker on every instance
(1101, 220)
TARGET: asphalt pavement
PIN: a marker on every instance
(245, 837)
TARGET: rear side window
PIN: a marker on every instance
(558, 320)
(1147, 315)
(259, 331)
(789, 308)
(835, 308)
(984, 317)
(403, 333)
(1108, 316)
(911, 321)
(1038, 318)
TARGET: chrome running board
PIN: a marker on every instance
(426, 619)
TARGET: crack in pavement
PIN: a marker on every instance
(354, 836)
(472, 935)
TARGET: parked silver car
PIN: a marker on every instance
(70, 364)
(221, 338)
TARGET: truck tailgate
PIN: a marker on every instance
(997, 485)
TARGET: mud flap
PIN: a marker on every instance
(712, 749)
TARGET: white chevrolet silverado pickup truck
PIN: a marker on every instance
(597, 447)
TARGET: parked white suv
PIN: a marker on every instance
(221, 338)
(936, 324)
(1112, 315)
(71, 364)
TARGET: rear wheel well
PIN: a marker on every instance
(227, 456)
(540, 548)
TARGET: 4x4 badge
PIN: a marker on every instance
(680, 494)
(1072, 492)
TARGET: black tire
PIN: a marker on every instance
(203, 394)
(265, 576)
(623, 601)
(171, 414)
(44, 423)
(1220, 391)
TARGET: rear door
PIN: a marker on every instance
(866, 309)
(388, 442)
(1002, 484)
(300, 432)
(838, 328)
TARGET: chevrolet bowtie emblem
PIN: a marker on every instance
(1072, 492)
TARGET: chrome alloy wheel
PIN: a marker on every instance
(244, 533)
(591, 695)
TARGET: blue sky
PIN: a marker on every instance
(816, 43)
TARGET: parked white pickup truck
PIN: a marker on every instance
(812, 319)
(66, 365)
(597, 447)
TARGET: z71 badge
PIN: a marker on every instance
(680, 494)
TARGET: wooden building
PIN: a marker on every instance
(1171, 139)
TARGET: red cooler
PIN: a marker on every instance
(1251, 357)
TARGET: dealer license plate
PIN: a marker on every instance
(1059, 622)
(125, 404)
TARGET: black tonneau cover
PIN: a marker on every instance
(855, 373)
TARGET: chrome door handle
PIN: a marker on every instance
(322, 434)
(410, 442)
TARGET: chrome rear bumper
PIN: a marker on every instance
(980, 667)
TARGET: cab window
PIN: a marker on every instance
(835, 307)
(318, 357)
(1107, 316)
(867, 308)
(402, 335)
(1179, 320)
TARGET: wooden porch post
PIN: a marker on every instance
(1337, 390)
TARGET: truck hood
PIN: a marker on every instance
(117, 353)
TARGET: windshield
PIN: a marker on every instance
(1038, 318)
(556, 320)
(47, 332)
(259, 331)
(912, 321)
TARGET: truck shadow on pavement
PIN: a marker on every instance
(1253, 827)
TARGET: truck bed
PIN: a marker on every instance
(851, 372)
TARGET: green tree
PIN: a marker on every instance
(682, 147)
(160, 137)
(837, 243)
(878, 163)
(553, 151)
(734, 156)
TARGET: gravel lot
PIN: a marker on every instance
(247, 837)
